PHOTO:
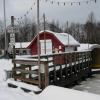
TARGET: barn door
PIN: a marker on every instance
(46, 46)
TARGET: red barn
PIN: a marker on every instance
(52, 42)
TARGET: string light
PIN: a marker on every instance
(58, 3)
(64, 3)
(87, 2)
(20, 19)
(51, 2)
(27, 12)
(46, 0)
(69, 2)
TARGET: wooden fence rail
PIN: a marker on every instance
(57, 69)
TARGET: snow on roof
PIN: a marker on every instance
(88, 46)
(21, 44)
(59, 93)
(65, 38)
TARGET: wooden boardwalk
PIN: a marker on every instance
(60, 69)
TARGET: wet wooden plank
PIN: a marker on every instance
(32, 81)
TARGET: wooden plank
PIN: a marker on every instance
(26, 71)
(25, 62)
(66, 62)
(23, 66)
(55, 76)
(46, 75)
(61, 67)
(32, 81)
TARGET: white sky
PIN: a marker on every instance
(62, 13)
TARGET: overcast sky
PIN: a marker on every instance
(62, 13)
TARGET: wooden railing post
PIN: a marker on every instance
(14, 69)
(44, 74)
(66, 69)
(90, 63)
(41, 76)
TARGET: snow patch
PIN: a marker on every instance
(5, 64)
(24, 85)
(59, 93)
(88, 46)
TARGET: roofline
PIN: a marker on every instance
(42, 33)
(50, 34)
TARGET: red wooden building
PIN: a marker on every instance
(51, 42)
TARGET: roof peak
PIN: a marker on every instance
(65, 38)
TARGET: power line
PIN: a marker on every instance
(6, 42)
(19, 19)
(70, 2)
(59, 3)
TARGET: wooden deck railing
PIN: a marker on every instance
(57, 69)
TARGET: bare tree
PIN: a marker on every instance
(76, 30)
(27, 30)
(1, 27)
(54, 26)
(90, 28)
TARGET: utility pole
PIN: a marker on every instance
(67, 26)
(68, 33)
(38, 42)
(38, 29)
(12, 36)
(44, 21)
(5, 27)
(44, 34)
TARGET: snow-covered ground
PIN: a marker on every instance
(91, 85)
(7, 93)
(5, 64)
(59, 93)
(50, 93)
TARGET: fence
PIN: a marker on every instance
(57, 69)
